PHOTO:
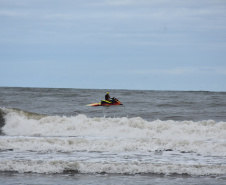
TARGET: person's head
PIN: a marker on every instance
(107, 92)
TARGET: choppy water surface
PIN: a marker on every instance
(157, 136)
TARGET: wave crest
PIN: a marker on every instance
(56, 166)
(111, 134)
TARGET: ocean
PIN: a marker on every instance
(49, 136)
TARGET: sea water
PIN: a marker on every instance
(49, 136)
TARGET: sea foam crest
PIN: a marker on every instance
(56, 166)
(111, 134)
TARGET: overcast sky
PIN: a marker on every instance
(114, 44)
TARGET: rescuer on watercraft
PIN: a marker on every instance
(107, 96)
(107, 102)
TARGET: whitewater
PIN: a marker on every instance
(51, 131)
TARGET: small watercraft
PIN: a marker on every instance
(112, 101)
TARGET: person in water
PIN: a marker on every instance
(107, 97)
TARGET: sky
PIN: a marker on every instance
(114, 44)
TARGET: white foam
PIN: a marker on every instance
(113, 134)
(114, 145)
(111, 145)
(56, 166)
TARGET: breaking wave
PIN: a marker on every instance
(112, 134)
(120, 140)
(112, 168)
